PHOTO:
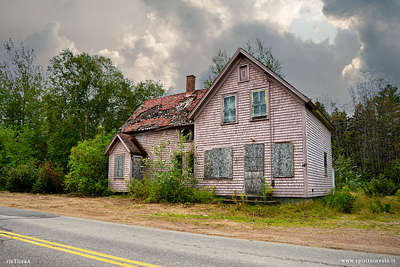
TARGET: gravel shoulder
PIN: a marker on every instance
(126, 211)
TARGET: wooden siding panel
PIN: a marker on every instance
(286, 120)
(318, 140)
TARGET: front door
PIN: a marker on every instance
(254, 168)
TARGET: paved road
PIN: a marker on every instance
(43, 239)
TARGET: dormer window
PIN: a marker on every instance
(243, 73)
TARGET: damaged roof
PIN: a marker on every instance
(165, 111)
(130, 143)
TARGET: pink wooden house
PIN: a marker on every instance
(249, 126)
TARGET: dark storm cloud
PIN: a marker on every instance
(377, 24)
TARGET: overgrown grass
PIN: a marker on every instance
(308, 213)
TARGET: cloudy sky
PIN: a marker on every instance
(322, 44)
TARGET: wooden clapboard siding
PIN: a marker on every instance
(149, 139)
(284, 125)
(119, 184)
(318, 141)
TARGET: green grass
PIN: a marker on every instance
(309, 213)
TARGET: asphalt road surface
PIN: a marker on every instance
(30, 238)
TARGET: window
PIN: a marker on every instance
(178, 164)
(243, 73)
(191, 163)
(259, 104)
(119, 166)
(282, 154)
(188, 134)
(326, 163)
(229, 110)
(218, 163)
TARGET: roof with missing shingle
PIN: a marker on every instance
(165, 111)
(131, 144)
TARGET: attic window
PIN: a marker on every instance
(243, 73)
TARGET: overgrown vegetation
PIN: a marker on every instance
(31, 177)
(88, 167)
(170, 180)
(341, 199)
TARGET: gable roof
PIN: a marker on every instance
(272, 75)
(165, 111)
(130, 143)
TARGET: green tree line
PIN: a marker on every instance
(365, 144)
(44, 114)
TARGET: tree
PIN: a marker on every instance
(261, 53)
(86, 92)
(22, 85)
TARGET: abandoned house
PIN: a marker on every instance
(249, 126)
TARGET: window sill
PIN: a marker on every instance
(119, 178)
(217, 178)
(243, 81)
(260, 119)
(228, 123)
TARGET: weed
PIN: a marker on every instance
(341, 199)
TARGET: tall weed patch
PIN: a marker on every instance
(170, 180)
(341, 199)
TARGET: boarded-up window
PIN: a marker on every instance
(218, 163)
(283, 159)
(119, 166)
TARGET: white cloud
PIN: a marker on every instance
(116, 58)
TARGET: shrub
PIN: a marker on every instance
(88, 167)
(22, 177)
(267, 189)
(376, 206)
(346, 174)
(398, 195)
(381, 186)
(50, 179)
(341, 199)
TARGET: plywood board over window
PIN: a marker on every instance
(218, 163)
(282, 159)
(119, 166)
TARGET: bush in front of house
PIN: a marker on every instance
(88, 167)
(171, 181)
(341, 199)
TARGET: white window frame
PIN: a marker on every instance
(266, 104)
(223, 109)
